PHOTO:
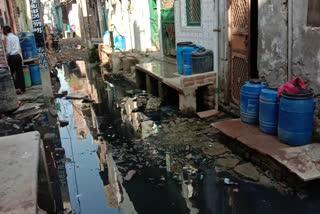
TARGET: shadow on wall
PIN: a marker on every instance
(137, 36)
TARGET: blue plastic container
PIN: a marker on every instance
(296, 118)
(35, 74)
(119, 43)
(268, 111)
(179, 54)
(187, 59)
(249, 101)
(28, 45)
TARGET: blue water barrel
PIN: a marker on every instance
(249, 101)
(119, 43)
(179, 56)
(35, 74)
(268, 111)
(187, 60)
(296, 118)
(28, 45)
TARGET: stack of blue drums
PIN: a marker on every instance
(291, 117)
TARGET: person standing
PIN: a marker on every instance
(14, 59)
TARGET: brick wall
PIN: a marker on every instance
(204, 82)
(198, 80)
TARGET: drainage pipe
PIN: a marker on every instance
(290, 33)
(217, 55)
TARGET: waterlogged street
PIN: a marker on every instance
(122, 159)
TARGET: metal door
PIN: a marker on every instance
(239, 41)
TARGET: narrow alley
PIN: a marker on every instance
(159, 106)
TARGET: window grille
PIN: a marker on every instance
(193, 8)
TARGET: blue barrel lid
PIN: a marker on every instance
(184, 43)
(255, 81)
(270, 90)
(202, 52)
(303, 94)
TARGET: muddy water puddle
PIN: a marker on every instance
(96, 172)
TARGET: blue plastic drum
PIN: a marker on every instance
(179, 54)
(28, 45)
(249, 101)
(296, 118)
(187, 59)
(35, 74)
(268, 111)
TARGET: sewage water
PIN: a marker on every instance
(86, 187)
(147, 191)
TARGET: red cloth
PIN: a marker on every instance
(293, 86)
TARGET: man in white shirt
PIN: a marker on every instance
(14, 59)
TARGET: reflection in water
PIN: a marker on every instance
(97, 187)
(86, 188)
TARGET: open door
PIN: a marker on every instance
(239, 42)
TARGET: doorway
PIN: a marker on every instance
(243, 44)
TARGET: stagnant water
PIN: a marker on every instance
(87, 184)
(86, 189)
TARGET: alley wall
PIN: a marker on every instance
(273, 44)
(23, 15)
(305, 47)
(131, 20)
(273, 41)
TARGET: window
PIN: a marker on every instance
(313, 19)
(193, 12)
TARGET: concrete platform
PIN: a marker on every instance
(19, 158)
(166, 73)
(304, 161)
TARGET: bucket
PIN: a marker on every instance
(27, 77)
(8, 96)
(35, 74)
(28, 45)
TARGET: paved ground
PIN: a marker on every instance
(19, 173)
(304, 161)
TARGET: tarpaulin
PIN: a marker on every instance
(293, 86)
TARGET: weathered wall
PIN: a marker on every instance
(201, 35)
(74, 19)
(140, 24)
(23, 15)
(273, 41)
(47, 14)
(4, 12)
(131, 20)
(306, 48)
